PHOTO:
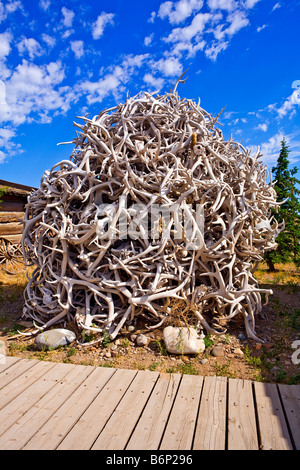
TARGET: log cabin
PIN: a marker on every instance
(12, 208)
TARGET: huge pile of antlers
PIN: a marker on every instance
(153, 205)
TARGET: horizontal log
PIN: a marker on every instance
(15, 239)
(12, 206)
(11, 228)
(11, 216)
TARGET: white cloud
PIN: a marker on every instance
(113, 81)
(214, 49)
(9, 7)
(260, 28)
(5, 135)
(189, 32)
(209, 31)
(228, 5)
(148, 39)
(45, 4)
(154, 82)
(152, 17)
(263, 127)
(250, 3)
(187, 48)
(32, 92)
(10, 148)
(238, 20)
(102, 21)
(270, 150)
(68, 17)
(97, 91)
(290, 104)
(4, 71)
(67, 33)
(5, 39)
(276, 6)
(179, 11)
(6, 143)
(77, 48)
(12, 6)
(31, 46)
(170, 67)
(49, 40)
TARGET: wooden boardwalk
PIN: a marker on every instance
(47, 405)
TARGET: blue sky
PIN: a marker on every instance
(63, 59)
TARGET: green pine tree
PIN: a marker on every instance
(289, 211)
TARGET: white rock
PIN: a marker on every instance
(52, 339)
(142, 340)
(182, 340)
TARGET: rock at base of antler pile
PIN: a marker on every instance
(153, 205)
(53, 339)
(183, 340)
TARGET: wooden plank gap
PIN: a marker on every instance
(119, 426)
(88, 427)
(149, 429)
(272, 424)
(179, 431)
(210, 426)
(53, 432)
(21, 383)
(14, 371)
(256, 418)
(290, 400)
(22, 417)
(242, 433)
(172, 406)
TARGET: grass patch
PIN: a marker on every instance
(188, 369)
(286, 274)
(224, 370)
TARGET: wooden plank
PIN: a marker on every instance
(273, 430)
(17, 386)
(119, 427)
(14, 239)
(211, 423)
(11, 216)
(88, 427)
(12, 206)
(11, 228)
(242, 432)
(50, 435)
(67, 378)
(148, 432)
(16, 370)
(5, 363)
(13, 412)
(180, 428)
(290, 396)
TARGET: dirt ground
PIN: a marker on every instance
(273, 361)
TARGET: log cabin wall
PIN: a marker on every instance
(12, 209)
